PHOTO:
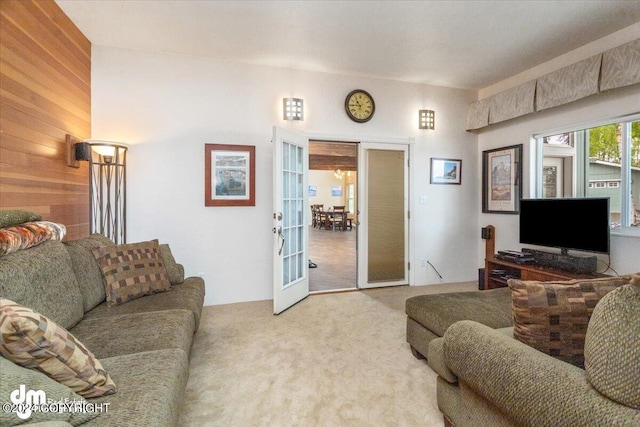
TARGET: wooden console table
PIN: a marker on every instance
(521, 271)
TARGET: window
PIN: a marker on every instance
(601, 161)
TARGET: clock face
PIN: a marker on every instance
(359, 106)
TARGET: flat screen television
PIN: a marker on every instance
(579, 224)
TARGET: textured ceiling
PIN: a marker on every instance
(463, 44)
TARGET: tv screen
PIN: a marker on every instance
(580, 224)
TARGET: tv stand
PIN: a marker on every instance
(497, 272)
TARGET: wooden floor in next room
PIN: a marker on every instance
(335, 254)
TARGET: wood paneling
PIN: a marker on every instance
(324, 155)
(45, 93)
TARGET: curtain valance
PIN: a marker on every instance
(511, 103)
(617, 67)
(568, 84)
(621, 66)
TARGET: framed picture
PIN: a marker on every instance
(446, 171)
(229, 175)
(313, 190)
(502, 180)
(336, 190)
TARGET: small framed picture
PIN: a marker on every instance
(336, 190)
(502, 180)
(229, 175)
(446, 171)
(313, 190)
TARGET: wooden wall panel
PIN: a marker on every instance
(45, 93)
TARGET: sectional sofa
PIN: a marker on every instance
(534, 354)
(140, 344)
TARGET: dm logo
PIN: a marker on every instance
(25, 400)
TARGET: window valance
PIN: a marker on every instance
(512, 103)
(621, 66)
(568, 84)
(617, 67)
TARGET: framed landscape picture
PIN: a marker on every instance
(502, 180)
(446, 171)
(229, 175)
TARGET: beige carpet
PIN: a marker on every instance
(331, 360)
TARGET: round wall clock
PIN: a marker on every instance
(359, 106)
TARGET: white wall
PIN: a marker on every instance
(324, 180)
(168, 106)
(625, 251)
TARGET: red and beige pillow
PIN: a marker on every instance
(131, 271)
(34, 341)
(553, 316)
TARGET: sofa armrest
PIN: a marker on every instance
(527, 385)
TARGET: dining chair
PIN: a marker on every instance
(339, 218)
(322, 219)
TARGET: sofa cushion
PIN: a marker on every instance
(86, 268)
(42, 279)
(34, 341)
(13, 376)
(552, 317)
(137, 332)
(612, 346)
(175, 271)
(437, 312)
(150, 389)
(188, 295)
(131, 271)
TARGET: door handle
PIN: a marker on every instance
(282, 242)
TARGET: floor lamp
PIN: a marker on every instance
(107, 192)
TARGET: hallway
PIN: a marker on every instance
(335, 254)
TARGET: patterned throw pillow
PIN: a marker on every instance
(131, 271)
(553, 316)
(32, 340)
(28, 235)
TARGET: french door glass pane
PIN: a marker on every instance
(293, 198)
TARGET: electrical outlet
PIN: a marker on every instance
(423, 262)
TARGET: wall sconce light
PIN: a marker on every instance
(427, 119)
(338, 174)
(292, 109)
(107, 185)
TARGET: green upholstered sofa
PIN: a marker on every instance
(143, 344)
(488, 378)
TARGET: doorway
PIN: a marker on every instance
(333, 183)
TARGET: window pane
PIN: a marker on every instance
(604, 168)
(560, 139)
(607, 164)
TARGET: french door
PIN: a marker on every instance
(383, 255)
(290, 219)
